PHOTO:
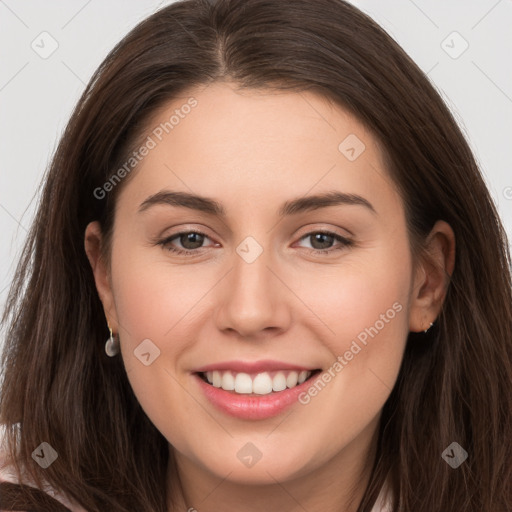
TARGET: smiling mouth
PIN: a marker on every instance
(262, 383)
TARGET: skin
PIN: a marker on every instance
(251, 151)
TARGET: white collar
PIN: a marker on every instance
(384, 500)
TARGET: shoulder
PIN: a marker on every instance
(10, 485)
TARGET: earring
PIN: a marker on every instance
(112, 344)
(426, 330)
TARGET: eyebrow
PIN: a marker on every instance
(210, 206)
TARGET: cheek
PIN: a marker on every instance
(365, 297)
(155, 299)
(366, 312)
(157, 302)
(160, 302)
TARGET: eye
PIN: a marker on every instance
(190, 240)
(322, 239)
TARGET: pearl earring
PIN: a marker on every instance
(112, 345)
(426, 330)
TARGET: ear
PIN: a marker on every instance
(432, 277)
(93, 244)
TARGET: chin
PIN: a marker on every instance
(265, 471)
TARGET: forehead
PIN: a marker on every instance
(219, 141)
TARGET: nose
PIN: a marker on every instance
(254, 299)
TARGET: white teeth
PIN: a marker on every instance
(228, 381)
(243, 383)
(261, 384)
(302, 376)
(291, 380)
(217, 379)
(279, 382)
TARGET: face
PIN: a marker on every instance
(271, 287)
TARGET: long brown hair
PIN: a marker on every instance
(455, 382)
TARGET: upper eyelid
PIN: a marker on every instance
(318, 226)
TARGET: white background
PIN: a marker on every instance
(37, 94)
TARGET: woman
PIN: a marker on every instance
(252, 371)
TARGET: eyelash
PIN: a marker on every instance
(345, 242)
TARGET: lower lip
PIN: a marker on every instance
(253, 407)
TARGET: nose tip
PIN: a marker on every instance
(253, 303)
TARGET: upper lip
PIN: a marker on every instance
(252, 366)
